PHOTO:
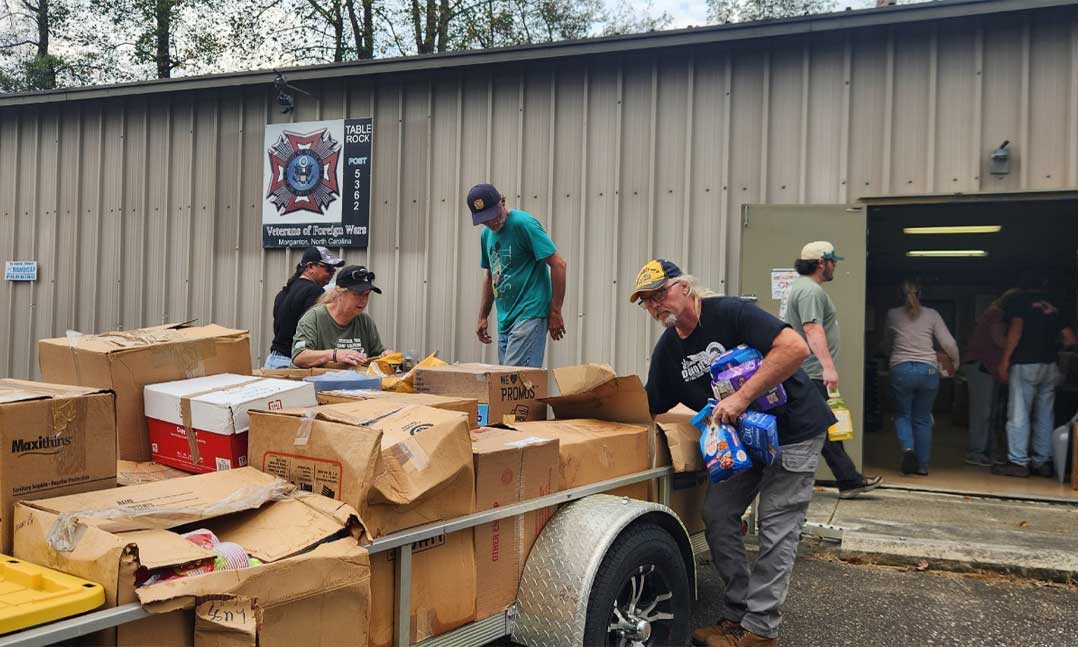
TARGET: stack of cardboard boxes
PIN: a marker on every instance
(324, 480)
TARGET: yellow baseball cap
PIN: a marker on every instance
(652, 276)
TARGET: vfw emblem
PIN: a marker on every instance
(303, 172)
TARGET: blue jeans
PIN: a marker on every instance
(914, 386)
(1032, 395)
(277, 360)
(524, 344)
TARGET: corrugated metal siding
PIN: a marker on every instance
(146, 209)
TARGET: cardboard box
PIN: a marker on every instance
(132, 473)
(469, 406)
(200, 425)
(443, 589)
(306, 597)
(290, 373)
(399, 465)
(404, 466)
(510, 466)
(56, 440)
(595, 450)
(679, 446)
(126, 361)
(502, 391)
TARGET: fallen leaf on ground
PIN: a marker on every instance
(1023, 524)
(921, 565)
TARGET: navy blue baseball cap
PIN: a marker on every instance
(483, 201)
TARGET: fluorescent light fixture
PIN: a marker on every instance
(947, 253)
(960, 229)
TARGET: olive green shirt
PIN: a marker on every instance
(317, 330)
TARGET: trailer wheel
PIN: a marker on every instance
(640, 595)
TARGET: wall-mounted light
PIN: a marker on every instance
(947, 253)
(1001, 160)
(958, 229)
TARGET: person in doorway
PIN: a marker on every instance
(912, 331)
(698, 329)
(987, 395)
(337, 331)
(1034, 332)
(523, 273)
(811, 313)
(314, 271)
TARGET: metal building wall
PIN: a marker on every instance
(144, 209)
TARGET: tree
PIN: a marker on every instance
(26, 44)
(162, 35)
(721, 11)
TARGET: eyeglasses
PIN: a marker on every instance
(654, 298)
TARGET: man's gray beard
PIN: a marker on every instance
(669, 321)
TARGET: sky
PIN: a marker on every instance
(694, 12)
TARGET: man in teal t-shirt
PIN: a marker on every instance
(523, 274)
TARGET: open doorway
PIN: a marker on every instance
(1038, 234)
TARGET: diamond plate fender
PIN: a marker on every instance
(552, 602)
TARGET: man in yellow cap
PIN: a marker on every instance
(700, 327)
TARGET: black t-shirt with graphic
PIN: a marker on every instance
(1041, 327)
(681, 368)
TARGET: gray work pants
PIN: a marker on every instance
(754, 596)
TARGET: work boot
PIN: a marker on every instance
(868, 483)
(742, 638)
(1011, 469)
(1044, 469)
(701, 636)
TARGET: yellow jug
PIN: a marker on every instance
(843, 429)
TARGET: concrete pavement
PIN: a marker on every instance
(1025, 538)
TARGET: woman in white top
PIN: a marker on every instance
(913, 331)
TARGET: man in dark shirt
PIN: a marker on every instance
(1034, 331)
(698, 329)
(297, 296)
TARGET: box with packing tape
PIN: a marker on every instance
(469, 406)
(604, 427)
(56, 440)
(401, 466)
(126, 361)
(510, 466)
(200, 425)
(502, 391)
(309, 585)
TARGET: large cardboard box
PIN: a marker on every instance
(132, 473)
(443, 589)
(595, 450)
(679, 446)
(468, 406)
(126, 361)
(200, 425)
(399, 465)
(55, 440)
(502, 391)
(299, 596)
(404, 466)
(510, 466)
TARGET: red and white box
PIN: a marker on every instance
(214, 409)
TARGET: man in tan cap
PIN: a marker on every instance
(810, 311)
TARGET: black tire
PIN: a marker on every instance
(642, 553)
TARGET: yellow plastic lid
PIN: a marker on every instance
(32, 595)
